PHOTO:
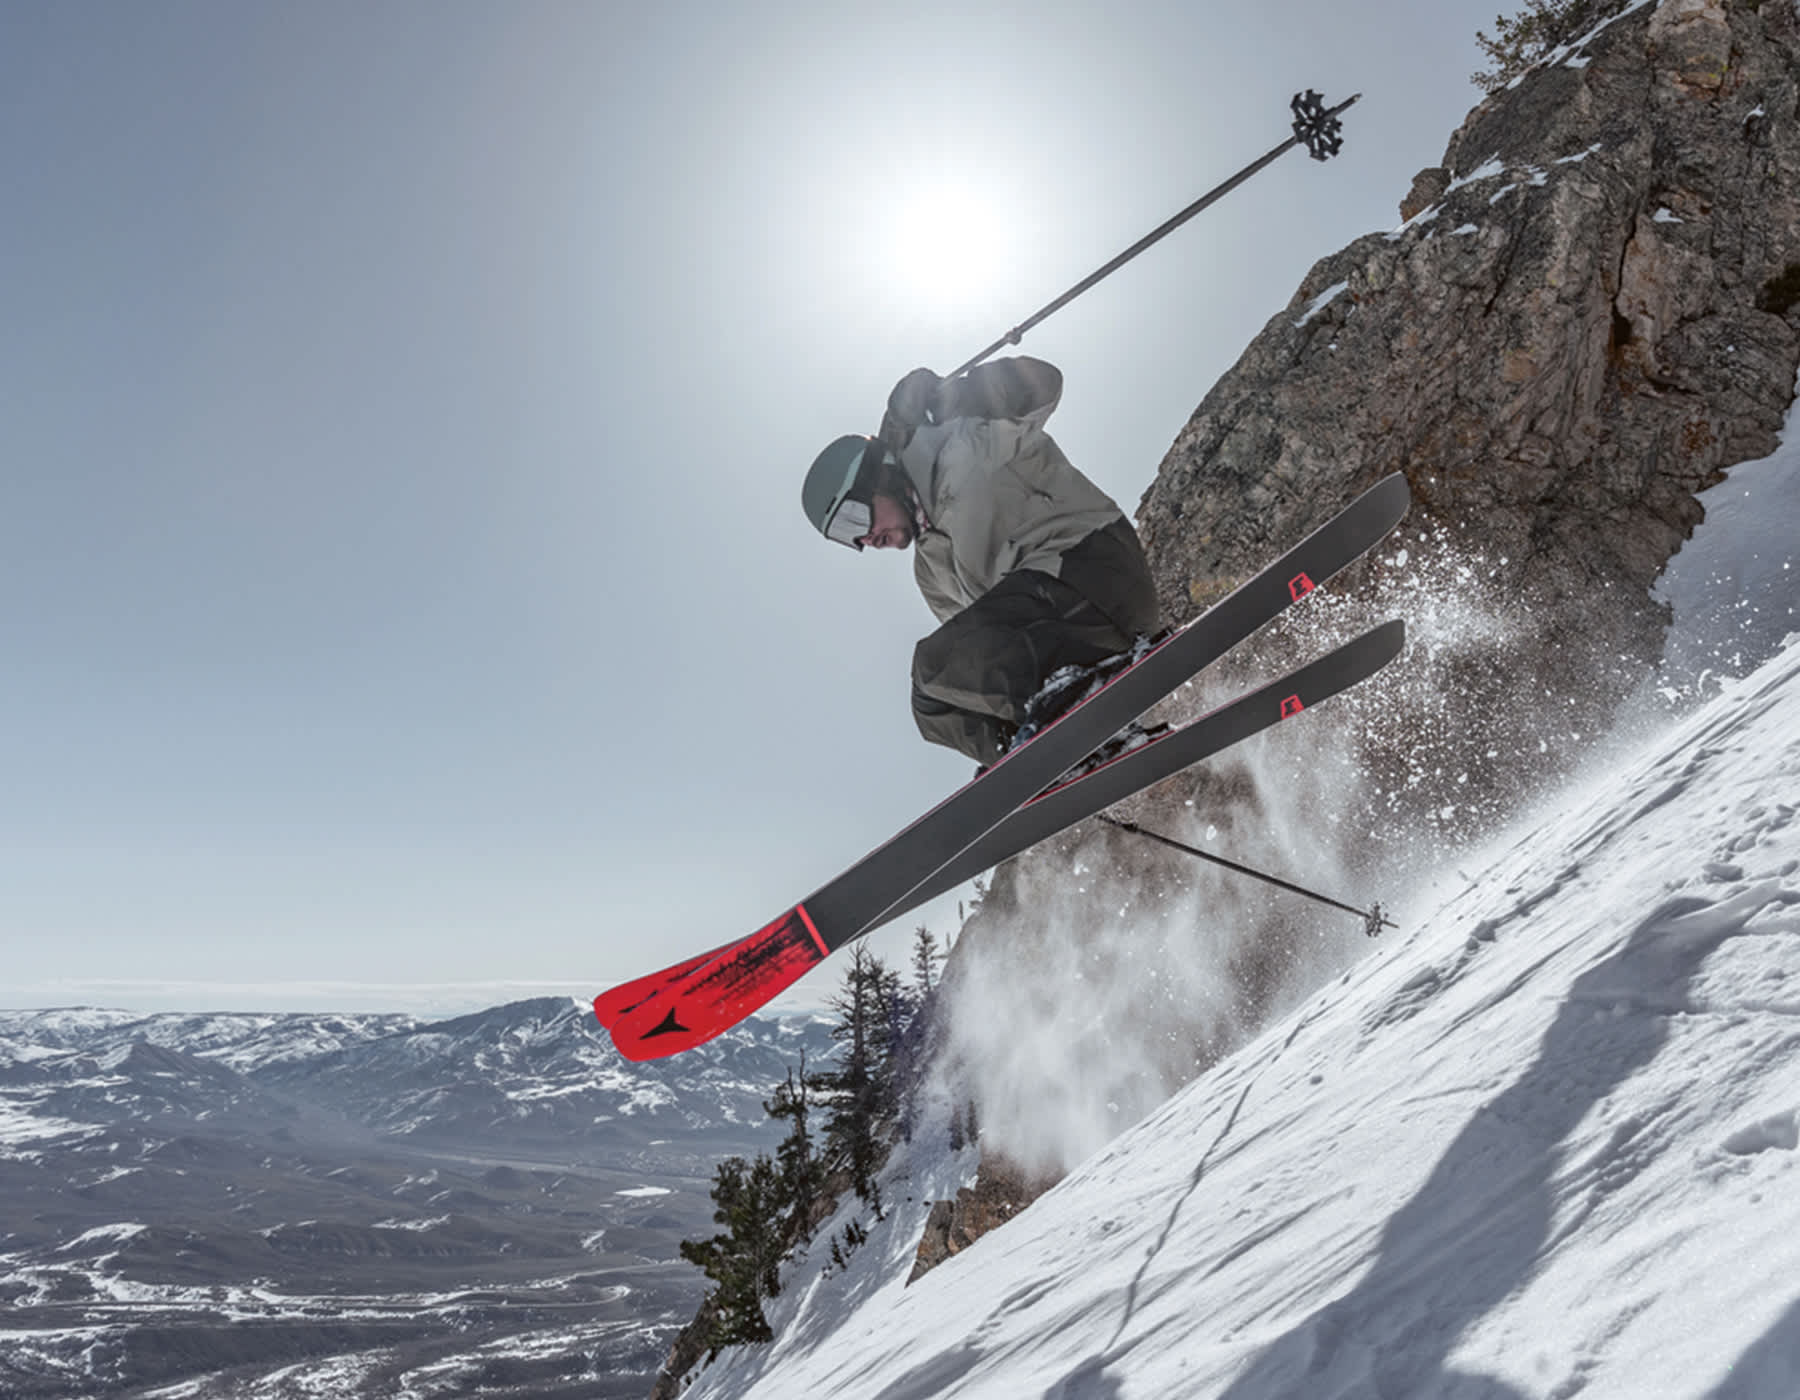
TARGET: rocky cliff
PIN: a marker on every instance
(1592, 310)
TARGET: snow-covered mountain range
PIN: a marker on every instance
(274, 1205)
(531, 1076)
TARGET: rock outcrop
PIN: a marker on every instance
(1002, 1189)
(1589, 313)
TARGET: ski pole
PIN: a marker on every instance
(1315, 127)
(1374, 920)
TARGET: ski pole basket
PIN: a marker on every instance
(1315, 128)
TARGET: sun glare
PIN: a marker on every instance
(948, 241)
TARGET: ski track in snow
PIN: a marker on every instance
(1542, 1145)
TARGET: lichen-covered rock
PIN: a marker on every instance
(1691, 44)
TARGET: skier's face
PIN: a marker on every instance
(890, 524)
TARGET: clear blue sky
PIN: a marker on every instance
(402, 414)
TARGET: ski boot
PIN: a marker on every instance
(1132, 736)
(1068, 687)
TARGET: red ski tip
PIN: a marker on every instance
(611, 1005)
(690, 1003)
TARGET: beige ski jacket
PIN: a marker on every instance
(996, 490)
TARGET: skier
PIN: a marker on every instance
(1028, 565)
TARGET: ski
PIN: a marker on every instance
(611, 1004)
(1163, 756)
(690, 1003)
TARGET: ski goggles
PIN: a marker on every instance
(849, 517)
(849, 522)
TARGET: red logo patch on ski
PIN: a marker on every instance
(1291, 706)
(1299, 586)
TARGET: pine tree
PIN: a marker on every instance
(925, 961)
(1541, 27)
(900, 1048)
(894, 1010)
(745, 1262)
(801, 1174)
(855, 1090)
(767, 1206)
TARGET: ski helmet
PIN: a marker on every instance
(839, 489)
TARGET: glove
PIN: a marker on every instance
(913, 401)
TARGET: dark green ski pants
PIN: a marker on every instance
(972, 677)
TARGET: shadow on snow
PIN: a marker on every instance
(1477, 1229)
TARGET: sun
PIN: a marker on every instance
(947, 240)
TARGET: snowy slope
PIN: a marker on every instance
(1543, 1144)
